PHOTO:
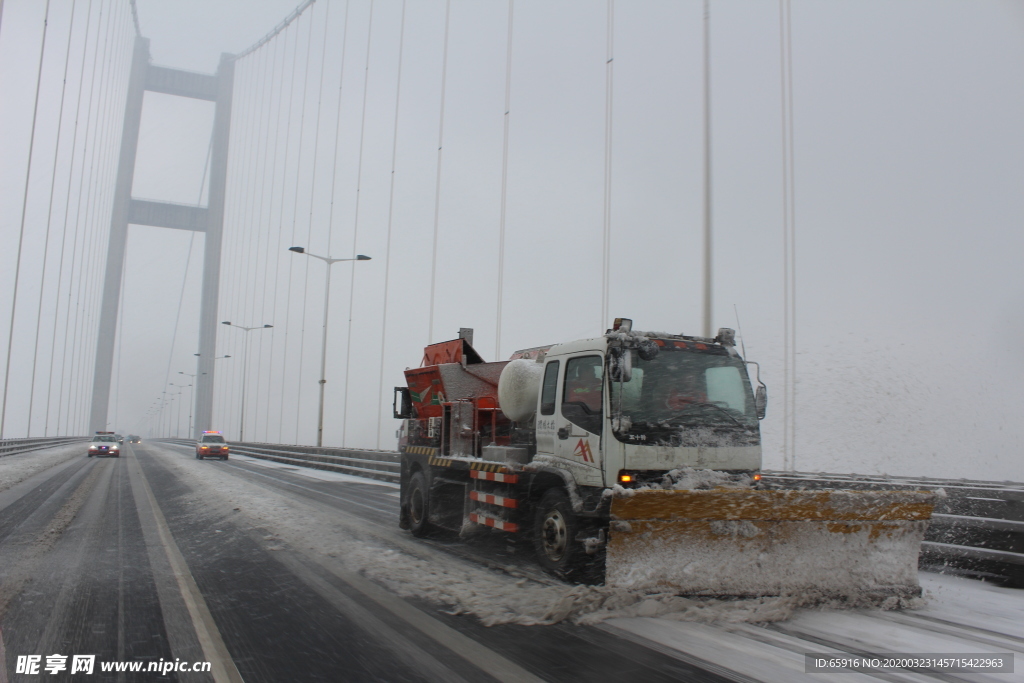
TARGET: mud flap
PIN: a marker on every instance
(742, 542)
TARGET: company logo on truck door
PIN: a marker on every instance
(583, 448)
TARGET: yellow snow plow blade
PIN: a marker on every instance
(746, 542)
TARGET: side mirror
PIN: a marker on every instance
(761, 401)
(402, 403)
(620, 364)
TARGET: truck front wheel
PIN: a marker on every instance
(419, 505)
(554, 532)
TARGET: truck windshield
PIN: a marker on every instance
(683, 388)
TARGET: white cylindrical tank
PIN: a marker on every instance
(518, 388)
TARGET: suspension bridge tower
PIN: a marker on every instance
(127, 211)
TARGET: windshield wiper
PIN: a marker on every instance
(701, 404)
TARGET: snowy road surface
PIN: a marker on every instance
(275, 573)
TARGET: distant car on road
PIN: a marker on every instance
(119, 437)
(104, 443)
(132, 438)
(211, 444)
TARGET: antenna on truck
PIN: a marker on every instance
(739, 328)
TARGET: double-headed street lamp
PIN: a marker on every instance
(245, 369)
(323, 349)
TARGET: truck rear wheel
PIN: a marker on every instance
(554, 532)
(419, 505)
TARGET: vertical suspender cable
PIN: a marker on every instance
(245, 241)
(80, 247)
(263, 193)
(21, 231)
(184, 275)
(63, 243)
(82, 228)
(788, 238)
(608, 99)
(82, 234)
(504, 184)
(437, 189)
(119, 342)
(100, 183)
(89, 293)
(330, 214)
(355, 225)
(312, 195)
(240, 120)
(49, 219)
(391, 214)
(248, 309)
(278, 252)
(706, 314)
(295, 205)
(115, 96)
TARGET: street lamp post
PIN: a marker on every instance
(160, 415)
(323, 347)
(167, 405)
(189, 387)
(245, 370)
(218, 357)
(190, 394)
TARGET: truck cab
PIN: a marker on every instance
(615, 413)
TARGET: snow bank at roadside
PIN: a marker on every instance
(413, 569)
(16, 468)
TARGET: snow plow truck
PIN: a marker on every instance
(639, 453)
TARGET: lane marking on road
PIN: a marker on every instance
(25, 550)
(413, 656)
(223, 666)
(481, 656)
(31, 483)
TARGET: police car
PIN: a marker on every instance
(104, 443)
(211, 444)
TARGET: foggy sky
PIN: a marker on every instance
(908, 166)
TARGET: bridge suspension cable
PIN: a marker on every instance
(64, 235)
(355, 225)
(437, 190)
(295, 204)
(504, 184)
(21, 229)
(391, 216)
(49, 220)
(607, 209)
(312, 195)
(285, 23)
(788, 238)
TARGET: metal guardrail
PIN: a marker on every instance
(13, 446)
(381, 465)
(976, 530)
